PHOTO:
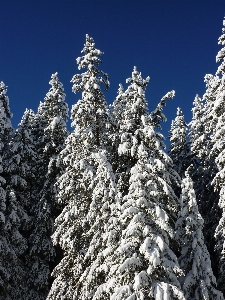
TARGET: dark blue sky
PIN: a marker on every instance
(172, 41)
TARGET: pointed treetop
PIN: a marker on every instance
(57, 88)
(120, 89)
(27, 116)
(221, 54)
(131, 104)
(179, 120)
(197, 107)
(137, 80)
(90, 79)
(54, 102)
(4, 99)
(179, 112)
(91, 54)
(3, 88)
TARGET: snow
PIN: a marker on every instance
(117, 244)
(140, 280)
(129, 264)
(161, 214)
(120, 292)
(161, 291)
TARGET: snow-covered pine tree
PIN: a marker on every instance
(218, 152)
(54, 114)
(4, 125)
(15, 217)
(197, 130)
(91, 134)
(101, 217)
(203, 167)
(127, 110)
(117, 111)
(12, 244)
(140, 264)
(199, 281)
(18, 163)
(179, 149)
(20, 160)
(6, 251)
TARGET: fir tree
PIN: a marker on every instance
(140, 263)
(217, 152)
(13, 244)
(179, 149)
(3, 137)
(117, 111)
(92, 128)
(19, 162)
(127, 110)
(199, 281)
(54, 113)
(144, 266)
(100, 215)
(6, 115)
(6, 253)
(203, 167)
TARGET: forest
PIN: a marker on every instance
(105, 212)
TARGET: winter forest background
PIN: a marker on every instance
(105, 211)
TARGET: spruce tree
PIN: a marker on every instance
(13, 244)
(179, 149)
(199, 281)
(203, 167)
(136, 261)
(218, 152)
(2, 140)
(143, 266)
(127, 110)
(6, 252)
(102, 212)
(19, 162)
(117, 110)
(53, 112)
(91, 120)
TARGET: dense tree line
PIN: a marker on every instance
(104, 212)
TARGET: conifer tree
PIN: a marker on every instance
(92, 127)
(54, 113)
(199, 150)
(117, 110)
(21, 158)
(140, 263)
(19, 161)
(203, 167)
(13, 244)
(199, 281)
(105, 201)
(6, 253)
(179, 149)
(143, 266)
(218, 153)
(127, 110)
(5, 125)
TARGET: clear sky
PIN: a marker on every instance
(175, 42)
